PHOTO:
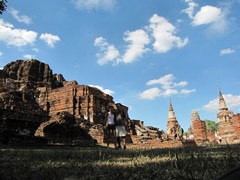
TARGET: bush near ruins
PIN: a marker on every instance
(101, 163)
(211, 125)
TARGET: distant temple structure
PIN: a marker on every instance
(172, 123)
(228, 123)
(224, 115)
(228, 126)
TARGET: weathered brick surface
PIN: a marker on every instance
(97, 133)
(226, 130)
(30, 70)
(199, 134)
(199, 131)
(211, 136)
(172, 123)
(227, 123)
(230, 131)
(236, 123)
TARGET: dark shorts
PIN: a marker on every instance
(110, 128)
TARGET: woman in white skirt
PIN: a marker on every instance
(120, 125)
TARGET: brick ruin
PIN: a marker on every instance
(30, 91)
(172, 124)
(228, 127)
(228, 123)
(37, 106)
(199, 130)
(41, 104)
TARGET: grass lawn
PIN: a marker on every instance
(61, 162)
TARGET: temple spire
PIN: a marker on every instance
(222, 103)
(170, 106)
(171, 114)
(172, 123)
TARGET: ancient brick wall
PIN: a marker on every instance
(30, 70)
(226, 130)
(2, 85)
(236, 123)
(199, 131)
(61, 99)
(230, 131)
(211, 136)
(78, 100)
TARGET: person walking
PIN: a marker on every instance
(120, 123)
(110, 125)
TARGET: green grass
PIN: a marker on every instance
(102, 163)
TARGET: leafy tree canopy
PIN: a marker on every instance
(211, 125)
(3, 5)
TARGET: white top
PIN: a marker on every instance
(110, 118)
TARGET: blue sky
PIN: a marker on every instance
(143, 53)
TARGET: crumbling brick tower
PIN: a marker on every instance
(199, 129)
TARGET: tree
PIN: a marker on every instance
(211, 125)
(3, 6)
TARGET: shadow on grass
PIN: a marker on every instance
(102, 163)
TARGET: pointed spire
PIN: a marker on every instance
(195, 116)
(170, 106)
(171, 114)
(222, 103)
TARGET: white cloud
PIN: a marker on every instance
(169, 92)
(159, 29)
(191, 7)
(6, 24)
(95, 4)
(137, 41)
(164, 34)
(224, 22)
(166, 81)
(215, 17)
(150, 94)
(226, 51)
(106, 91)
(167, 87)
(49, 39)
(136, 48)
(1, 53)
(35, 49)
(231, 101)
(212, 105)
(207, 15)
(15, 37)
(181, 84)
(187, 91)
(29, 56)
(20, 18)
(108, 52)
